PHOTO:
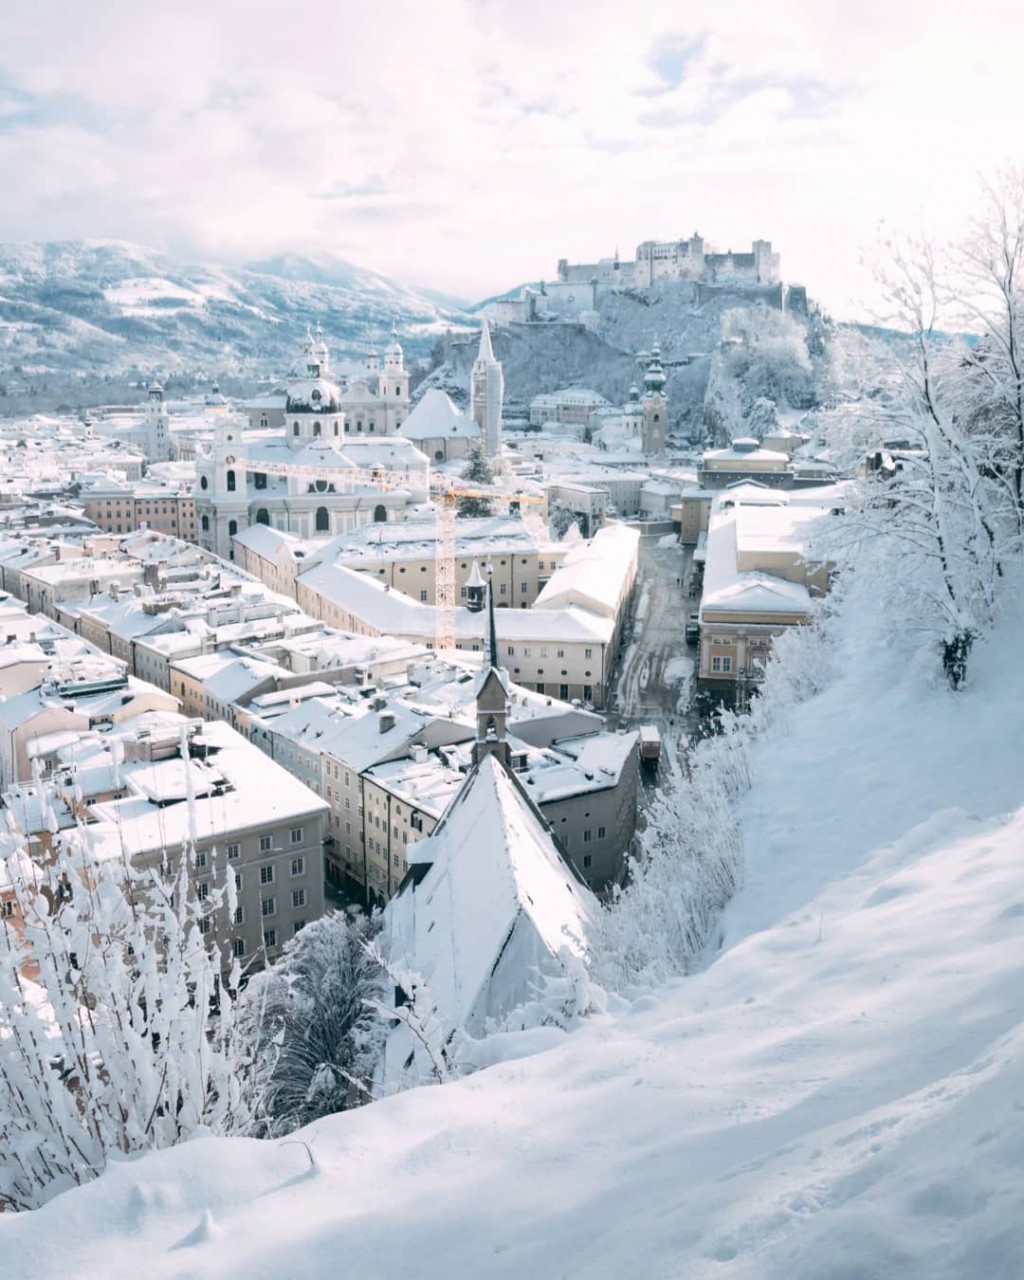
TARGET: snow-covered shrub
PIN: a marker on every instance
(313, 1025)
(691, 857)
(117, 1032)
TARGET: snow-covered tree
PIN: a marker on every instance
(118, 1033)
(946, 513)
(990, 265)
(762, 418)
(314, 1026)
(476, 473)
(561, 520)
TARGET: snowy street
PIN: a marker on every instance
(657, 666)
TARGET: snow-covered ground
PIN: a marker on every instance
(837, 1095)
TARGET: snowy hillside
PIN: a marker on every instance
(106, 305)
(838, 1095)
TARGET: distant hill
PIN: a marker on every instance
(106, 307)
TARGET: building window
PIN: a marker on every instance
(503, 590)
(234, 851)
(560, 653)
(587, 836)
(600, 833)
(232, 528)
(295, 836)
(298, 926)
(231, 481)
(203, 890)
(267, 874)
(298, 867)
(423, 597)
(266, 843)
(588, 653)
(268, 907)
(205, 925)
(259, 480)
(295, 428)
(298, 897)
(323, 520)
(270, 938)
(238, 946)
(587, 859)
(263, 516)
(540, 686)
(721, 664)
(523, 587)
(201, 860)
(587, 692)
(239, 916)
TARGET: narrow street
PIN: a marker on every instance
(655, 676)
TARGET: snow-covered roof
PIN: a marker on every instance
(436, 417)
(594, 574)
(490, 913)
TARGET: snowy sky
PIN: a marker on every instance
(466, 145)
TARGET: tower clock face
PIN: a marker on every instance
(229, 460)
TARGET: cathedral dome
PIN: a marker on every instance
(313, 395)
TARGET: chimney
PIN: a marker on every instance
(386, 721)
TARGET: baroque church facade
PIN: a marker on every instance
(333, 460)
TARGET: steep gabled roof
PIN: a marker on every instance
(497, 890)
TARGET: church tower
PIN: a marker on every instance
(491, 697)
(158, 437)
(225, 512)
(393, 387)
(655, 404)
(486, 393)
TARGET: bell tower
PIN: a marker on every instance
(486, 393)
(655, 404)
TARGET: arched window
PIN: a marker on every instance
(231, 482)
(335, 428)
(263, 516)
(203, 482)
(295, 428)
(204, 524)
(380, 513)
(316, 428)
(323, 520)
(438, 455)
(320, 486)
(232, 528)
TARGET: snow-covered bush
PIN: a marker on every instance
(691, 858)
(117, 1032)
(313, 1025)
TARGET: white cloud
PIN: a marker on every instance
(467, 144)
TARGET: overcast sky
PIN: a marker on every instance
(466, 145)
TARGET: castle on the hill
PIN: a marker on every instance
(677, 260)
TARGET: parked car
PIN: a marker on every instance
(692, 628)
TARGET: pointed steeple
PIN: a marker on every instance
(476, 589)
(492, 630)
(486, 351)
(491, 697)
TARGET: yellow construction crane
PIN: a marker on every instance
(447, 499)
(446, 495)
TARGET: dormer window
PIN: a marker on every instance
(317, 395)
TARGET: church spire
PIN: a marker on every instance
(491, 697)
(486, 351)
(492, 630)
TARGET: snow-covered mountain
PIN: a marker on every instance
(106, 306)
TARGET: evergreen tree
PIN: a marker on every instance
(477, 473)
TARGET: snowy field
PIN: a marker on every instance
(837, 1095)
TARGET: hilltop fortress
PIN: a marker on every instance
(574, 294)
(677, 260)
